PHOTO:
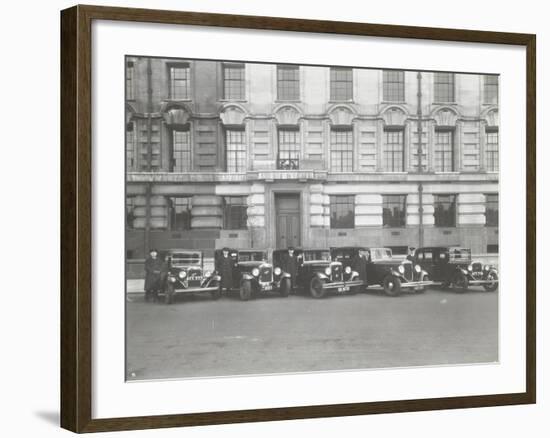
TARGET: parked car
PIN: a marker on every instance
(384, 270)
(253, 274)
(318, 274)
(186, 275)
(452, 266)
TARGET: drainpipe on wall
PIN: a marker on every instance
(419, 152)
(149, 158)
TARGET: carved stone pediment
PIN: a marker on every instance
(492, 118)
(394, 117)
(445, 117)
(176, 116)
(341, 116)
(287, 116)
(232, 116)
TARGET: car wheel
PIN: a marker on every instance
(169, 294)
(392, 286)
(216, 294)
(284, 290)
(460, 282)
(246, 290)
(493, 286)
(422, 289)
(316, 288)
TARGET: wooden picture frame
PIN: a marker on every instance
(76, 217)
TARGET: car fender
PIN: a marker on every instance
(493, 270)
(247, 277)
(464, 271)
(321, 276)
(354, 275)
(397, 274)
(285, 275)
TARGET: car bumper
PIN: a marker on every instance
(417, 284)
(481, 282)
(343, 284)
(193, 290)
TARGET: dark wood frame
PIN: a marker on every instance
(76, 238)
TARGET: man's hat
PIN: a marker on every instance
(411, 248)
(225, 248)
(153, 250)
(290, 248)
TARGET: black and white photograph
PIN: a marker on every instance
(285, 218)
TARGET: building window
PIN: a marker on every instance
(490, 89)
(341, 83)
(445, 210)
(130, 206)
(180, 213)
(181, 151)
(130, 80)
(491, 149)
(233, 81)
(180, 81)
(130, 146)
(393, 150)
(236, 150)
(394, 86)
(288, 82)
(234, 212)
(289, 149)
(444, 87)
(342, 211)
(444, 151)
(492, 248)
(341, 150)
(394, 210)
(491, 210)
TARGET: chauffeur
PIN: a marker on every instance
(226, 270)
(290, 265)
(359, 265)
(153, 270)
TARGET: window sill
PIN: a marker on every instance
(454, 103)
(233, 100)
(288, 101)
(172, 100)
(393, 102)
(341, 101)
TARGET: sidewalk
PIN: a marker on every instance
(134, 286)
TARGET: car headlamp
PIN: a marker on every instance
(277, 271)
(328, 271)
(182, 274)
(470, 268)
(255, 272)
(401, 269)
(486, 267)
(207, 274)
(348, 270)
(417, 268)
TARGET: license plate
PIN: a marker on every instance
(343, 289)
(268, 287)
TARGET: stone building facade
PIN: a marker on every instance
(265, 155)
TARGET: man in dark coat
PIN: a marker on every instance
(359, 265)
(410, 257)
(153, 270)
(290, 265)
(226, 265)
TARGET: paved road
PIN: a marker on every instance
(200, 337)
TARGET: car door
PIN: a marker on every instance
(426, 260)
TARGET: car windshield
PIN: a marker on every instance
(252, 256)
(342, 255)
(186, 258)
(380, 254)
(460, 254)
(312, 255)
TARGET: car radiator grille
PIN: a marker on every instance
(266, 274)
(408, 271)
(336, 272)
(477, 267)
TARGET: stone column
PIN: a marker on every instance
(159, 212)
(317, 205)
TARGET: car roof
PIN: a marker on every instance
(348, 247)
(184, 251)
(432, 248)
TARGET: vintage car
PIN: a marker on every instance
(392, 274)
(186, 275)
(452, 266)
(253, 274)
(318, 274)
